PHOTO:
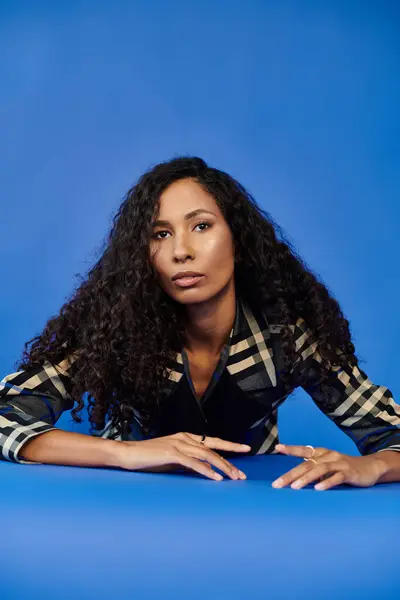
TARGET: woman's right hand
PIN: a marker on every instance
(181, 450)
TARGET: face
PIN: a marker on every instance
(200, 242)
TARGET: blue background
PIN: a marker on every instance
(298, 100)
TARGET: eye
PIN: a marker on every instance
(208, 225)
(155, 235)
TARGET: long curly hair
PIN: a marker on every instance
(125, 329)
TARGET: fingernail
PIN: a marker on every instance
(242, 475)
(246, 446)
(277, 483)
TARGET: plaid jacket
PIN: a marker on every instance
(32, 401)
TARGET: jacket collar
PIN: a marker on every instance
(248, 355)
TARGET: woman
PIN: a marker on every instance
(195, 324)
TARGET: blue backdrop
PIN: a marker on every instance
(297, 99)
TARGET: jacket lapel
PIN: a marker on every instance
(250, 359)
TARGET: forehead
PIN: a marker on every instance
(183, 196)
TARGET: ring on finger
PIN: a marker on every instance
(313, 452)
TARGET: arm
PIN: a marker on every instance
(31, 402)
(59, 447)
(392, 466)
(366, 412)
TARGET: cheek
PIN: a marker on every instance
(219, 248)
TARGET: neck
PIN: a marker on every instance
(209, 323)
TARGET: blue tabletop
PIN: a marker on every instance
(70, 532)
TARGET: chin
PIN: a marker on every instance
(193, 296)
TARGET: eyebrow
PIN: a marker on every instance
(188, 216)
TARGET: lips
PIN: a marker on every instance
(182, 274)
(188, 281)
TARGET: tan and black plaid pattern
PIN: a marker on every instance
(32, 401)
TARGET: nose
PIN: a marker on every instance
(182, 249)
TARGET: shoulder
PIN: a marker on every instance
(305, 342)
(64, 366)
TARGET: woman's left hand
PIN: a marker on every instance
(331, 466)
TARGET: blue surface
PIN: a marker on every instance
(103, 533)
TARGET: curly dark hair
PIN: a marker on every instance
(127, 329)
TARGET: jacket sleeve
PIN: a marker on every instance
(31, 402)
(366, 412)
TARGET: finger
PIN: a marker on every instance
(216, 460)
(300, 451)
(219, 444)
(293, 474)
(238, 474)
(314, 474)
(203, 451)
(327, 484)
(196, 465)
